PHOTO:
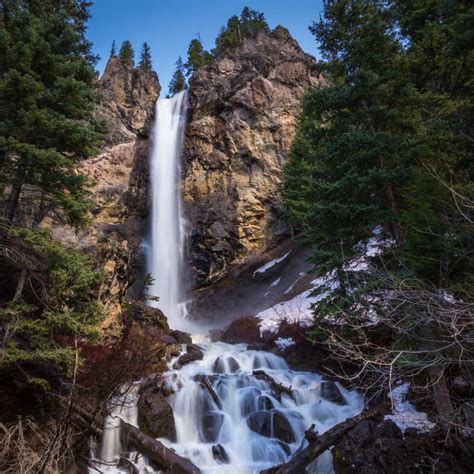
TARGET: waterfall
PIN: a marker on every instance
(228, 419)
(165, 260)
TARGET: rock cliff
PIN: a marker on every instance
(120, 195)
(243, 113)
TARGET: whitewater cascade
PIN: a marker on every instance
(166, 255)
(228, 416)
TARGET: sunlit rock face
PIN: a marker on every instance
(244, 107)
(120, 190)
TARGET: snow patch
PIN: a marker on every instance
(284, 342)
(275, 283)
(270, 264)
(404, 414)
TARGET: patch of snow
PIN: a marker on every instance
(404, 414)
(284, 342)
(270, 264)
(298, 309)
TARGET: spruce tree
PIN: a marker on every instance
(47, 125)
(178, 81)
(113, 50)
(126, 54)
(352, 154)
(145, 57)
(248, 25)
(197, 56)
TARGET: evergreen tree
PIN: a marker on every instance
(351, 157)
(247, 26)
(126, 54)
(197, 56)
(47, 125)
(113, 50)
(145, 57)
(178, 81)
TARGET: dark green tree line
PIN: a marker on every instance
(47, 125)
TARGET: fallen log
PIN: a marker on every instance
(167, 459)
(319, 444)
(276, 387)
(206, 383)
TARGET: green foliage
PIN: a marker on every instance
(247, 26)
(178, 81)
(197, 56)
(145, 57)
(62, 306)
(113, 49)
(390, 142)
(126, 54)
(47, 102)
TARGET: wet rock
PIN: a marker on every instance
(272, 424)
(465, 427)
(331, 392)
(155, 416)
(245, 329)
(227, 365)
(211, 424)
(181, 337)
(193, 353)
(220, 454)
(264, 403)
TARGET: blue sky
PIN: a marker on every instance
(169, 25)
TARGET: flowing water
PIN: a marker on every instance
(165, 259)
(228, 417)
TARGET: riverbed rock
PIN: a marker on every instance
(227, 365)
(330, 391)
(155, 416)
(244, 329)
(271, 424)
(242, 119)
(220, 454)
(193, 353)
(211, 424)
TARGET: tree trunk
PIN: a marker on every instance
(318, 444)
(14, 197)
(441, 395)
(20, 285)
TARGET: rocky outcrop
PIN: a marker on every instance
(243, 112)
(119, 193)
(127, 100)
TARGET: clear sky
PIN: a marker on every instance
(169, 25)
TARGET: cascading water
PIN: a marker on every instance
(228, 418)
(165, 260)
(242, 425)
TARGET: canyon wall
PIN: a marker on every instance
(243, 113)
(120, 191)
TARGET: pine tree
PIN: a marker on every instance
(351, 157)
(47, 123)
(197, 56)
(248, 25)
(178, 81)
(145, 57)
(113, 50)
(126, 54)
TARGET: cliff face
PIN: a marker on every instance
(243, 112)
(120, 194)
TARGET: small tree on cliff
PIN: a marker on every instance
(247, 26)
(197, 56)
(127, 55)
(145, 57)
(178, 81)
(113, 49)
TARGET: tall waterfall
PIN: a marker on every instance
(165, 260)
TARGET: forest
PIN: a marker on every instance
(147, 245)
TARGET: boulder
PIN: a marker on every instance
(330, 391)
(245, 329)
(155, 416)
(211, 424)
(192, 354)
(271, 424)
(220, 454)
(227, 365)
